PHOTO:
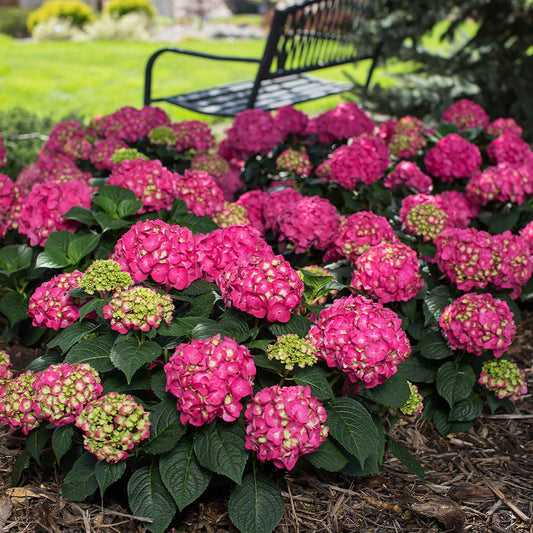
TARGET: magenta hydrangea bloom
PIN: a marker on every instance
(193, 135)
(200, 192)
(478, 322)
(408, 174)
(7, 194)
(5, 365)
(322, 171)
(9, 219)
(311, 223)
(51, 307)
(452, 157)
(361, 338)
(62, 391)
(403, 137)
(168, 254)
(358, 232)
(421, 216)
(508, 148)
(459, 207)
(17, 403)
(138, 308)
(113, 424)
(365, 161)
(503, 378)
(388, 273)
(209, 377)
(103, 150)
(215, 165)
(231, 214)
(526, 234)
(279, 202)
(44, 206)
(295, 161)
(466, 114)
(3, 153)
(68, 138)
(254, 201)
(290, 121)
(283, 423)
(465, 257)
(504, 125)
(347, 120)
(263, 285)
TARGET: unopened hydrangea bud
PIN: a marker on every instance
(127, 154)
(292, 351)
(415, 403)
(231, 214)
(113, 424)
(163, 135)
(5, 365)
(139, 308)
(17, 403)
(213, 164)
(103, 276)
(295, 161)
(503, 378)
(426, 221)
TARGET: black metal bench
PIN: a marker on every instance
(308, 36)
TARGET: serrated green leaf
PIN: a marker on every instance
(117, 383)
(80, 482)
(72, 334)
(184, 326)
(466, 410)
(262, 361)
(111, 197)
(455, 381)
(351, 425)
(392, 393)
(257, 505)
(182, 474)
(51, 260)
(95, 352)
(81, 214)
(328, 457)
(107, 223)
(128, 207)
(406, 458)
(159, 385)
(220, 448)
(445, 128)
(21, 463)
(433, 346)
(166, 429)
(55, 253)
(199, 286)
(203, 304)
(14, 258)
(356, 469)
(44, 361)
(234, 326)
(128, 355)
(106, 474)
(297, 325)
(62, 440)
(316, 378)
(148, 498)
(196, 224)
(418, 370)
(15, 307)
(36, 441)
(82, 246)
(435, 302)
(92, 306)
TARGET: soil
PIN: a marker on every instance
(477, 482)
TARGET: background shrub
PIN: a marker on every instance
(119, 8)
(133, 26)
(13, 21)
(79, 12)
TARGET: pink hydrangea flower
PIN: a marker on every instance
(17, 403)
(526, 234)
(347, 120)
(388, 273)
(503, 378)
(113, 424)
(361, 338)
(290, 121)
(254, 201)
(283, 423)
(193, 135)
(478, 322)
(311, 223)
(408, 174)
(358, 232)
(365, 160)
(9, 219)
(279, 201)
(51, 307)
(295, 161)
(263, 285)
(459, 207)
(322, 171)
(44, 206)
(231, 214)
(103, 150)
(466, 114)
(504, 125)
(3, 153)
(452, 157)
(214, 164)
(508, 148)
(465, 257)
(209, 377)
(403, 137)
(62, 391)
(7, 194)
(5, 365)
(423, 218)
(68, 138)
(200, 192)
(168, 254)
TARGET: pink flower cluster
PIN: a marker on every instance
(113, 424)
(3, 153)
(43, 207)
(283, 423)
(51, 306)
(103, 151)
(68, 138)
(62, 391)
(209, 377)
(459, 207)
(358, 232)
(347, 120)
(365, 160)
(276, 204)
(231, 214)
(295, 161)
(138, 308)
(508, 148)
(503, 378)
(452, 157)
(263, 285)
(408, 174)
(361, 338)
(526, 234)
(254, 201)
(466, 114)
(5, 365)
(168, 254)
(200, 192)
(504, 125)
(388, 273)
(7, 194)
(478, 322)
(193, 135)
(214, 164)
(290, 121)
(17, 403)
(403, 137)
(422, 216)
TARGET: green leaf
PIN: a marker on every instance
(94, 305)
(455, 381)
(445, 128)
(21, 463)
(234, 326)
(182, 475)
(166, 429)
(159, 385)
(128, 355)
(203, 304)
(466, 410)
(433, 346)
(62, 440)
(95, 352)
(85, 216)
(196, 224)
(44, 361)
(435, 302)
(14, 306)
(356, 469)
(184, 327)
(117, 383)
(418, 370)
(220, 447)
(328, 457)
(315, 377)
(117, 202)
(504, 220)
(72, 334)
(15, 258)
(36, 441)
(351, 425)
(107, 223)
(199, 286)
(406, 458)
(80, 482)
(149, 498)
(55, 253)
(106, 474)
(297, 325)
(392, 393)
(262, 361)
(82, 246)
(257, 505)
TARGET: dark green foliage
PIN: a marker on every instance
(13, 21)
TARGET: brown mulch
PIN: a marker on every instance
(478, 482)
